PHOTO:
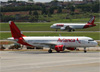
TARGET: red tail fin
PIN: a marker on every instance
(91, 21)
(16, 33)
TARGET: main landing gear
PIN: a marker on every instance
(49, 51)
(69, 30)
(85, 50)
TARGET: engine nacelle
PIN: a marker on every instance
(71, 48)
(59, 48)
(62, 28)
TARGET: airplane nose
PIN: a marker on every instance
(51, 26)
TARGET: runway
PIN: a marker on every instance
(42, 61)
(48, 31)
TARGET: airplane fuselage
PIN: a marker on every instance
(66, 41)
(72, 25)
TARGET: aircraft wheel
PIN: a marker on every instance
(69, 30)
(73, 30)
(85, 51)
(49, 51)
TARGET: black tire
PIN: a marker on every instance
(69, 30)
(73, 30)
(49, 51)
(85, 51)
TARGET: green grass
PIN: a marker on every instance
(41, 27)
(61, 17)
(94, 35)
(81, 20)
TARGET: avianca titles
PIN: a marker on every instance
(57, 43)
(72, 26)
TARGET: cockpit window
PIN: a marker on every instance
(90, 40)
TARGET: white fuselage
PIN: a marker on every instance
(66, 41)
(72, 25)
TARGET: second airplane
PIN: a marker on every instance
(72, 26)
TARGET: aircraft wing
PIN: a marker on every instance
(67, 27)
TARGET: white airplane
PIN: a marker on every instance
(73, 26)
(56, 43)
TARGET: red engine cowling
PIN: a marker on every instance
(71, 48)
(59, 48)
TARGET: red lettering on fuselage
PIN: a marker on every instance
(61, 25)
(67, 40)
(78, 41)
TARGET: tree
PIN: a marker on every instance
(31, 19)
(30, 12)
(95, 7)
(7, 18)
(49, 15)
(72, 8)
(59, 10)
(34, 17)
(51, 10)
(44, 11)
(55, 0)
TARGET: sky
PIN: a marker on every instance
(36, 0)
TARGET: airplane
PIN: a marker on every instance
(72, 26)
(58, 43)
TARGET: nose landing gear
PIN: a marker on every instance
(49, 51)
(85, 50)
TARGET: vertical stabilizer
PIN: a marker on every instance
(91, 21)
(16, 33)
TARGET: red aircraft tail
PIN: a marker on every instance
(16, 33)
(91, 21)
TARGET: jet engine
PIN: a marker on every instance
(59, 48)
(62, 28)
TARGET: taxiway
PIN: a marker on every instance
(42, 61)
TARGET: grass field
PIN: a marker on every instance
(61, 17)
(94, 35)
(41, 27)
(46, 27)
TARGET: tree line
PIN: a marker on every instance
(34, 15)
(94, 7)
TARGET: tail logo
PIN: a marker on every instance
(91, 21)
